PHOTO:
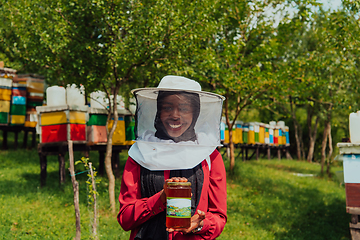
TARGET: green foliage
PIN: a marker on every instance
(279, 199)
(104, 42)
(233, 48)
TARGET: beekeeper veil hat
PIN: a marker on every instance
(177, 124)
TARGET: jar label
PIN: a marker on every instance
(178, 207)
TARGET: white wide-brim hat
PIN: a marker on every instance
(176, 83)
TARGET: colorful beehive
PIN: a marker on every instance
(276, 135)
(4, 112)
(287, 136)
(119, 137)
(18, 104)
(238, 132)
(222, 130)
(261, 133)
(62, 123)
(130, 129)
(31, 118)
(350, 153)
(272, 132)
(35, 86)
(5, 98)
(245, 132)
(5, 88)
(234, 136)
(281, 134)
(257, 132)
(226, 132)
(96, 126)
(251, 133)
(267, 133)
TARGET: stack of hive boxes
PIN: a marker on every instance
(97, 132)
(18, 104)
(6, 75)
(34, 96)
(96, 126)
(62, 120)
(124, 131)
(62, 123)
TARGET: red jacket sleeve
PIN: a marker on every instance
(216, 215)
(135, 210)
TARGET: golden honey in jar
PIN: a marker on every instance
(178, 205)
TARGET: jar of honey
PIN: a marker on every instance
(178, 205)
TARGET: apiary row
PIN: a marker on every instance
(19, 95)
(66, 117)
(82, 124)
(274, 133)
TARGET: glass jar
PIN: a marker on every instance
(178, 205)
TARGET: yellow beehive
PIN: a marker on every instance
(52, 118)
(262, 133)
(4, 106)
(62, 123)
(251, 133)
(226, 133)
(31, 119)
(77, 117)
(119, 137)
(17, 119)
(5, 94)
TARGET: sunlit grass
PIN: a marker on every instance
(278, 199)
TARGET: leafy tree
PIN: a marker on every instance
(236, 61)
(107, 45)
(319, 73)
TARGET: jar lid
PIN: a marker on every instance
(179, 183)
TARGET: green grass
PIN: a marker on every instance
(265, 201)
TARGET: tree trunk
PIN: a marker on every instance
(298, 138)
(327, 136)
(297, 130)
(323, 145)
(76, 191)
(330, 150)
(232, 153)
(301, 143)
(230, 126)
(108, 154)
(312, 134)
(297, 141)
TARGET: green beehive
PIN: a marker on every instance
(245, 132)
(16, 109)
(4, 118)
(97, 119)
(129, 128)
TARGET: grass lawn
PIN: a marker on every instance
(267, 199)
